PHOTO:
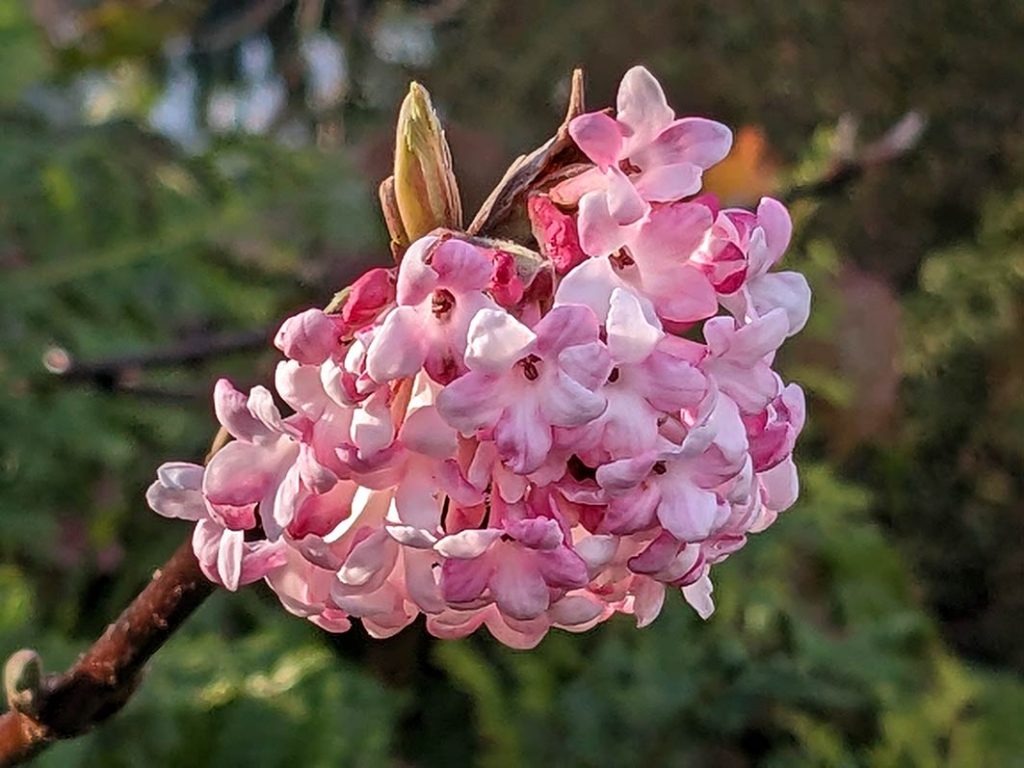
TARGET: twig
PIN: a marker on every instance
(119, 374)
(102, 680)
(849, 166)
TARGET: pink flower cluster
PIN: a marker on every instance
(524, 443)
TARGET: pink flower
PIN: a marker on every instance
(763, 239)
(248, 471)
(656, 263)
(224, 555)
(651, 375)
(370, 295)
(521, 383)
(739, 357)
(520, 564)
(643, 155)
(506, 286)
(309, 337)
(440, 289)
(773, 432)
(555, 232)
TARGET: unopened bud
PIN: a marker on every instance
(425, 190)
(23, 676)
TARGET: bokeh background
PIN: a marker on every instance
(177, 175)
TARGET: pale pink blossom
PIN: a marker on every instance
(440, 289)
(643, 155)
(523, 436)
(523, 382)
(224, 555)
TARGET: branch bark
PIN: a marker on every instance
(101, 681)
(850, 165)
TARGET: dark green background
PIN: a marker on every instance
(880, 622)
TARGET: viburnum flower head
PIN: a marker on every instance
(522, 435)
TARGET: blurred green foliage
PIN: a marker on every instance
(174, 171)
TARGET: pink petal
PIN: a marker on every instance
(787, 291)
(370, 561)
(575, 610)
(687, 140)
(625, 205)
(523, 436)
(565, 326)
(671, 234)
(372, 430)
(229, 559)
(749, 344)
(420, 582)
(368, 297)
(556, 233)
(566, 403)
(519, 635)
(176, 492)
(505, 286)
(596, 551)
(569, 192)
(396, 351)
(776, 228)
(451, 625)
(691, 297)
(471, 402)
(600, 234)
(590, 285)
(518, 588)
(667, 183)
(416, 278)
(425, 431)
(648, 599)
(461, 266)
(237, 478)
(261, 558)
(562, 568)
(588, 364)
(599, 136)
(781, 485)
(468, 544)
(332, 620)
(231, 407)
(261, 405)
(642, 108)
(698, 595)
(299, 386)
(631, 338)
(656, 555)
(536, 533)
(319, 514)
(206, 546)
(463, 581)
(620, 476)
(495, 341)
(308, 337)
(686, 511)
(670, 384)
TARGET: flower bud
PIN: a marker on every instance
(425, 191)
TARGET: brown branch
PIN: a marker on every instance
(526, 169)
(101, 681)
(850, 166)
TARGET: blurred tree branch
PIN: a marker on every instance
(850, 164)
(120, 373)
(62, 706)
